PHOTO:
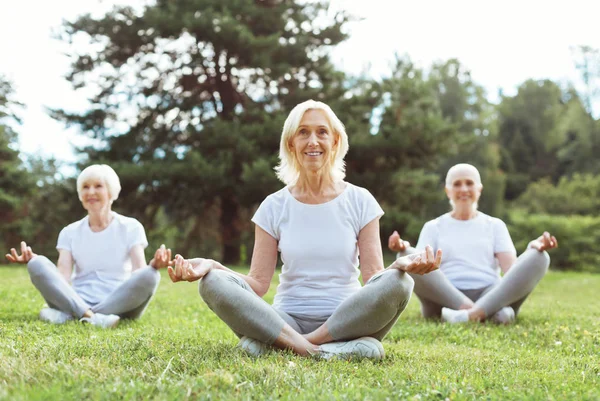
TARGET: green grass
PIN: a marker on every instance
(180, 350)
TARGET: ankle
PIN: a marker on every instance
(476, 314)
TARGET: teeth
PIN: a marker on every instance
(313, 153)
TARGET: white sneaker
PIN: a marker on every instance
(505, 315)
(253, 347)
(364, 347)
(54, 316)
(455, 316)
(100, 320)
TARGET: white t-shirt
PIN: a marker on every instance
(102, 260)
(468, 248)
(319, 247)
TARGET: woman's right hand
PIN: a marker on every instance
(420, 263)
(25, 256)
(190, 270)
(396, 244)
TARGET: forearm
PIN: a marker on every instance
(66, 274)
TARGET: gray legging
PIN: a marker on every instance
(435, 291)
(371, 311)
(128, 300)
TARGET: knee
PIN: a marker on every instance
(539, 260)
(398, 285)
(38, 265)
(149, 277)
(211, 285)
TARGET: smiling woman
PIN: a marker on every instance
(320, 224)
(468, 286)
(105, 248)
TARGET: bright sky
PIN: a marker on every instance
(503, 43)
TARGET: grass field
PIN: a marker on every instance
(179, 350)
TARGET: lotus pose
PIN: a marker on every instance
(468, 287)
(321, 225)
(104, 248)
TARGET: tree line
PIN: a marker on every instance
(189, 98)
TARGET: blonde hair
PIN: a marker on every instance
(102, 172)
(471, 170)
(288, 169)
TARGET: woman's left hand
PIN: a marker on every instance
(544, 242)
(420, 263)
(190, 270)
(162, 258)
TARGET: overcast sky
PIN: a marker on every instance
(503, 43)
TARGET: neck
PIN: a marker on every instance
(464, 214)
(98, 221)
(315, 183)
(316, 189)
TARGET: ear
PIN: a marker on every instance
(447, 191)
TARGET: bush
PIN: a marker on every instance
(578, 238)
(579, 194)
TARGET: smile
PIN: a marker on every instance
(313, 153)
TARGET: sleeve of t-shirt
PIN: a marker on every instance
(136, 235)
(64, 239)
(265, 218)
(502, 240)
(428, 236)
(370, 209)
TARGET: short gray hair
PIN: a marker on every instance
(103, 172)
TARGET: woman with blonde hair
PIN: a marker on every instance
(104, 248)
(321, 225)
(468, 287)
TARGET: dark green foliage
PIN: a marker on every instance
(15, 183)
(578, 238)
(579, 194)
(208, 84)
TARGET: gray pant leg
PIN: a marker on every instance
(435, 291)
(56, 291)
(234, 302)
(517, 284)
(373, 310)
(130, 299)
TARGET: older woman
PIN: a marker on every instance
(468, 286)
(320, 224)
(105, 248)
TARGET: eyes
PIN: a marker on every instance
(321, 132)
(97, 185)
(460, 183)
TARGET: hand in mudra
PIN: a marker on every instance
(25, 256)
(397, 244)
(162, 258)
(544, 242)
(190, 269)
(420, 263)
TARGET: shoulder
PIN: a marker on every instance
(358, 194)
(433, 224)
(276, 200)
(494, 221)
(128, 223)
(74, 227)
